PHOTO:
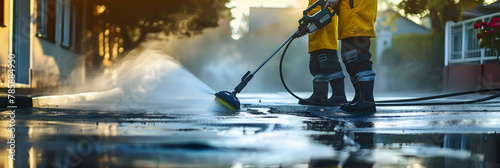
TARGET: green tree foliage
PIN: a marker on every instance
(137, 19)
(413, 64)
(440, 11)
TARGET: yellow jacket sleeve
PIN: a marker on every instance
(325, 38)
(357, 18)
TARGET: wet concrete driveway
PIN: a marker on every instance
(270, 131)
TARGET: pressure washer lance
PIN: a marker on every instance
(307, 24)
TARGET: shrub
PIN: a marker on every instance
(415, 62)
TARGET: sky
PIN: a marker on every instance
(240, 8)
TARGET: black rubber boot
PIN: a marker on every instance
(338, 93)
(320, 92)
(366, 102)
(357, 92)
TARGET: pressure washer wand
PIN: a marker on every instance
(307, 24)
(229, 99)
(248, 76)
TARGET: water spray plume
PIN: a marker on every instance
(141, 79)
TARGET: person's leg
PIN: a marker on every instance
(331, 69)
(320, 84)
(357, 90)
(356, 56)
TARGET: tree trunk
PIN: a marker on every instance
(451, 12)
(129, 44)
(436, 20)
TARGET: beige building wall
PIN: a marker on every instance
(4, 34)
(4, 42)
(51, 64)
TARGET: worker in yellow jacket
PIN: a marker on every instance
(324, 65)
(356, 27)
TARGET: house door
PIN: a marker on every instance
(21, 41)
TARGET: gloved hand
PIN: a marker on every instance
(302, 32)
(331, 3)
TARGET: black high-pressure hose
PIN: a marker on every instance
(283, 80)
(398, 102)
(395, 102)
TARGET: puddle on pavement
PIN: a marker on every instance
(257, 138)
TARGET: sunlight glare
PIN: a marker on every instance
(240, 9)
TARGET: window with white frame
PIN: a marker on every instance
(71, 23)
(66, 23)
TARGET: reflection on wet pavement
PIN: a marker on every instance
(262, 135)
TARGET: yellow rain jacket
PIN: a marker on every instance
(357, 18)
(325, 38)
